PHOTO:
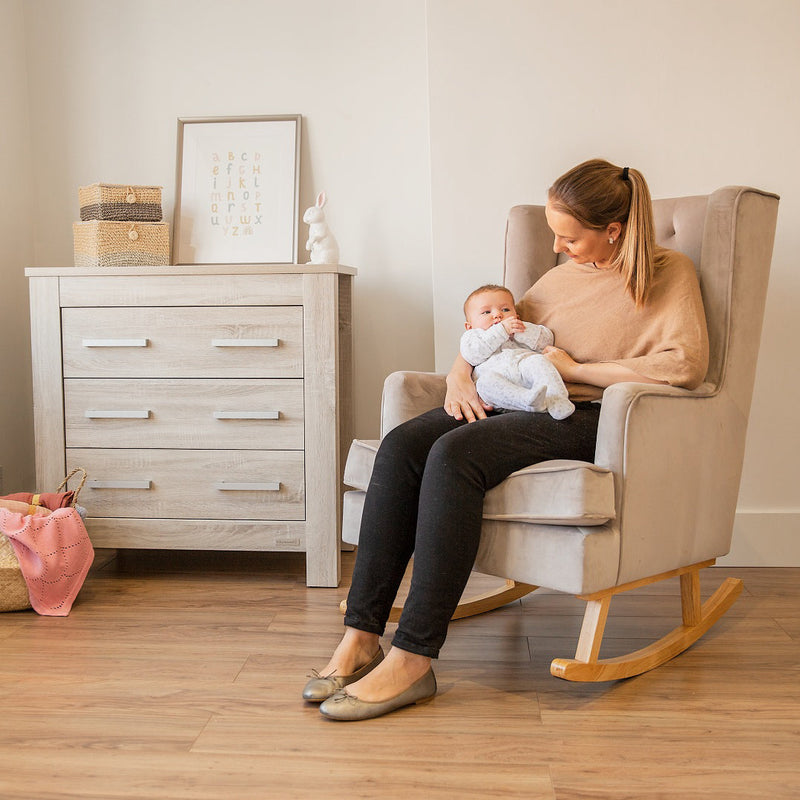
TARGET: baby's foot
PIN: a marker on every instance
(559, 407)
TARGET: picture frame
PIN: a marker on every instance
(237, 191)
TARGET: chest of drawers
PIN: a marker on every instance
(210, 405)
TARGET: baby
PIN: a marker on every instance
(510, 372)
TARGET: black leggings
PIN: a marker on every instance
(425, 498)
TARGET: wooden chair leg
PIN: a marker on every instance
(481, 603)
(594, 625)
(697, 619)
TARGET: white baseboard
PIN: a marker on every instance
(765, 539)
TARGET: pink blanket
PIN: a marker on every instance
(54, 554)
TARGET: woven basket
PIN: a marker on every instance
(113, 201)
(13, 589)
(121, 244)
(14, 594)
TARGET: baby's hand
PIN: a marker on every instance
(513, 325)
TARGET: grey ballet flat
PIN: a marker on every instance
(322, 687)
(345, 707)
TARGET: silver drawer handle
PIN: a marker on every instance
(247, 415)
(115, 342)
(93, 484)
(245, 342)
(227, 486)
(96, 413)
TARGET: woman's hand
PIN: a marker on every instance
(563, 362)
(461, 400)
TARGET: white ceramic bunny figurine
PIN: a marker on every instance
(321, 242)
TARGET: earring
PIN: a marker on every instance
(610, 241)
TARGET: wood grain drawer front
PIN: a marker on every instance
(192, 484)
(181, 290)
(238, 342)
(187, 414)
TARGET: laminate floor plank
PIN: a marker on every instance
(204, 776)
(789, 624)
(656, 782)
(89, 729)
(53, 666)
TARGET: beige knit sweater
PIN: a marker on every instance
(595, 319)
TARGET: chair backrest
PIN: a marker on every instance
(728, 235)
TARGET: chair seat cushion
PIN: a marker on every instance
(554, 493)
(551, 492)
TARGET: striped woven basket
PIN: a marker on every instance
(114, 201)
(121, 244)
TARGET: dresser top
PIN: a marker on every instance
(193, 269)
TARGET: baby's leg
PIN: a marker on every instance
(538, 371)
(498, 390)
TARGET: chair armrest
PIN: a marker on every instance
(409, 394)
(676, 456)
(619, 402)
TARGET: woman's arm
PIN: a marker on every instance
(602, 374)
(461, 400)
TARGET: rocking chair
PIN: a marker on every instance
(660, 498)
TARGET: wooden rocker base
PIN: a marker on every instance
(586, 666)
(697, 619)
(481, 603)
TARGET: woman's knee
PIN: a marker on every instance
(397, 439)
(411, 441)
(455, 451)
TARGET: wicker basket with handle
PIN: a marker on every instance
(13, 589)
(116, 201)
(121, 244)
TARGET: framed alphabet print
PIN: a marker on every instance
(237, 190)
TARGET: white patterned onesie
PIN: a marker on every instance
(511, 373)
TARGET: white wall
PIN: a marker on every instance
(424, 122)
(109, 79)
(697, 94)
(16, 194)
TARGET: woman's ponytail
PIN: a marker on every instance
(637, 254)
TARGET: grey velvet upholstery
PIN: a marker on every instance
(662, 492)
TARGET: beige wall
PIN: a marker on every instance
(424, 121)
(16, 226)
(697, 94)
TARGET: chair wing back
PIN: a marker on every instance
(529, 248)
(733, 226)
(734, 265)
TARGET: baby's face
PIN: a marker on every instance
(489, 308)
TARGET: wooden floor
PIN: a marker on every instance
(179, 676)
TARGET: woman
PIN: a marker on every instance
(621, 309)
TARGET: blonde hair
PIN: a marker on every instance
(597, 193)
(487, 287)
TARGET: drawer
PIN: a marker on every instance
(187, 414)
(180, 290)
(192, 484)
(214, 342)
